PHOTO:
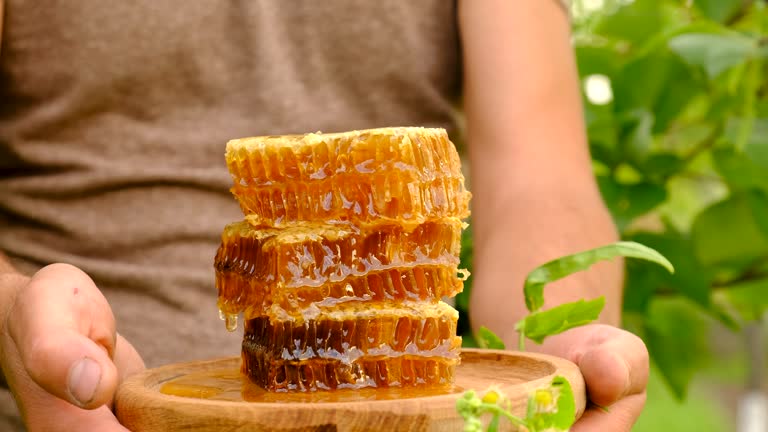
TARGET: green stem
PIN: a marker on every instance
(520, 328)
(748, 122)
(495, 409)
(704, 145)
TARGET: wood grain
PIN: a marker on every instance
(142, 408)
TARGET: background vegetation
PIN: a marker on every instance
(676, 98)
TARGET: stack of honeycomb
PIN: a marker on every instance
(349, 242)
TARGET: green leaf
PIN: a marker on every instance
(739, 170)
(640, 82)
(756, 146)
(658, 82)
(468, 339)
(634, 22)
(627, 202)
(488, 339)
(728, 234)
(688, 195)
(593, 60)
(539, 325)
(603, 133)
(719, 10)
(691, 278)
(749, 299)
(640, 286)
(715, 53)
(566, 404)
(758, 203)
(660, 166)
(685, 138)
(552, 409)
(639, 138)
(676, 336)
(493, 426)
(678, 92)
(567, 265)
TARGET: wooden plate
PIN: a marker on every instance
(141, 406)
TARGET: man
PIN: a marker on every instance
(112, 124)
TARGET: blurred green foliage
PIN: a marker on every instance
(681, 155)
(680, 152)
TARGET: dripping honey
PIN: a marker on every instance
(349, 243)
(293, 268)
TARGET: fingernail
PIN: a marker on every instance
(84, 378)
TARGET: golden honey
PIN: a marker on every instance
(417, 154)
(348, 244)
(230, 384)
(396, 174)
(347, 334)
(293, 266)
(388, 199)
(328, 374)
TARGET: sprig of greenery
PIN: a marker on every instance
(552, 408)
(540, 324)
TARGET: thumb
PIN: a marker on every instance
(614, 362)
(64, 332)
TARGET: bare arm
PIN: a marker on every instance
(535, 197)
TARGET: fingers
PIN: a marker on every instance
(49, 414)
(127, 359)
(64, 332)
(614, 362)
(44, 412)
(619, 418)
(615, 368)
(60, 352)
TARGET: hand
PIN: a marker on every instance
(614, 363)
(61, 355)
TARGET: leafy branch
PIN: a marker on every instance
(549, 409)
(552, 408)
(538, 325)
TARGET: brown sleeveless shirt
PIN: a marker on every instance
(114, 117)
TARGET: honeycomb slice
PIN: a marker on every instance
(242, 293)
(371, 176)
(418, 154)
(275, 374)
(253, 266)
(386, 199)
(356, 330)
(352, 346)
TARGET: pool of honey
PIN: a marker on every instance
(228, 384)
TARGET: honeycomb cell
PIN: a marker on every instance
(256, 267)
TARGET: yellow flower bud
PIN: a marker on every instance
(491, 397)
